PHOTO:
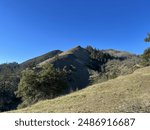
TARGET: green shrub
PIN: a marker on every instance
(35, 85)
(146, 57)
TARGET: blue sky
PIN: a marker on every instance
(29, 28)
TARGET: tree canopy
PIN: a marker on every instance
(146, 54)
(37, 85)
(9, 79)
(147, 39)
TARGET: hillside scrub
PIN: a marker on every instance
(9, 79)
(146, 57)
(34, 86)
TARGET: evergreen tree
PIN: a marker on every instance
(146, 54)
(98, 58)
(52, 81)
(146, 57)
(39, 85)
(28, 87)
(147, 39)
(9, 79)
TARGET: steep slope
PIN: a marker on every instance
(74, 61)
(128, 93)
(39, 59)
(78, 52)
(78, 61)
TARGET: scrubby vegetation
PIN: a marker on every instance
(34, 86)
(9, 79)
(98, 58)
(147, 39)
(146, 57)
(109, 65)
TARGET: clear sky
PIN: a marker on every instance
(29, 28)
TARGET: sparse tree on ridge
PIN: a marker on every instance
(146, 54)
(147, 39)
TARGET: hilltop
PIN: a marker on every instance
(75, 61)
(128, 93)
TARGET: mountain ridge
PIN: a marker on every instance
(84, 67)
(36, 60)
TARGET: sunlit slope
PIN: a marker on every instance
(130, 93)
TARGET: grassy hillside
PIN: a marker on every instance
(128, 93)
(73, 61)
(78, 52)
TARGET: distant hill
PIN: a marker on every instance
(128, 93)
(39, 59)
(119, 54)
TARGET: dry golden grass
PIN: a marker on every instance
(79, 52)
(130, 93)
